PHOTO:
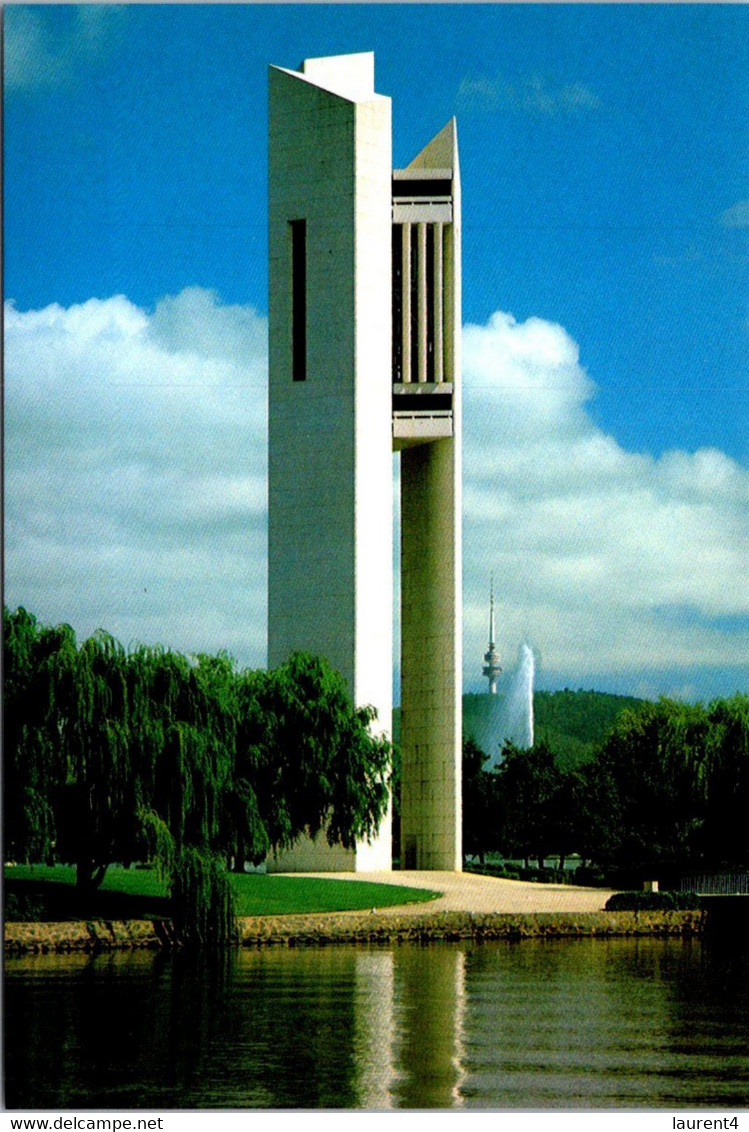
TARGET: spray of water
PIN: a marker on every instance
(511, 713)
(520, 702)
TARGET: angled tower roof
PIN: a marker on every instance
(441, 152)
(348, 76)
(351, 76)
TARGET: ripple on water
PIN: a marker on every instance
(617, 1023)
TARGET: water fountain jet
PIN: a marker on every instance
(508, 715)
(519, 722)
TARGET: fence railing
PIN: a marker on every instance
(716, 884)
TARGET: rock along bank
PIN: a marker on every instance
(355, 927)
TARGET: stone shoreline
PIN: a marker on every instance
(355, 927)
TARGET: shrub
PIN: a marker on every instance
(652, 902)
(590, 877)
(24, 908)
(492, 869)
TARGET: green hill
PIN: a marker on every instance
(572, 723)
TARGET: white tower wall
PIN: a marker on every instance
(330, 473)
(365, 356)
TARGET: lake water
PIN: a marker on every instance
(619, 1023)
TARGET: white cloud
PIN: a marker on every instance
(42, 51)
(136, 497)
(135, 470)
(478, 94)
(534, 94)
(606, 560)
(737, 216)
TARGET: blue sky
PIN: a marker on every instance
(606, 304)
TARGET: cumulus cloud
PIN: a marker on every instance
(608, 561)
(44, 50)
(135, 495)
(135, 470)
(737, 216)
(534, 94)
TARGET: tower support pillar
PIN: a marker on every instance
(430, 658)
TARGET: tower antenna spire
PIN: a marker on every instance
(492, 668)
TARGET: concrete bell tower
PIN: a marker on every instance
(364, 360)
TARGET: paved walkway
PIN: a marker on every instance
(467, 892)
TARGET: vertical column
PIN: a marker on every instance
(430, 657)
(431, 571)
(397, 267)
(437, 285)
(406, 307)
(448, 266)
(421, 275)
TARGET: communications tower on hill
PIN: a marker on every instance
(492, 668)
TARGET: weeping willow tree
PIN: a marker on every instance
(240, 830)
(120, 756)
(113, 757)
(187, 752)
(71, 772)
(97, 809)
(33, 769)
(317, 763)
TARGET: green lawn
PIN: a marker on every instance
(135, 882)
(49, 893)
(276, 895)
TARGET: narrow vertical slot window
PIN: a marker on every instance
(298, 299)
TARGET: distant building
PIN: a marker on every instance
(492, 668)
(364, 281)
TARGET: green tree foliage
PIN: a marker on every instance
(670, 786)
(116, 756)
(38, 665)
(534, 803)
(481, 810)
(666, 790)
(89, 707)
(526, 807)
(575, 723)
(725, 836)
(316, 762)
(202, 898)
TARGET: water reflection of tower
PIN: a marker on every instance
(492, 668)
